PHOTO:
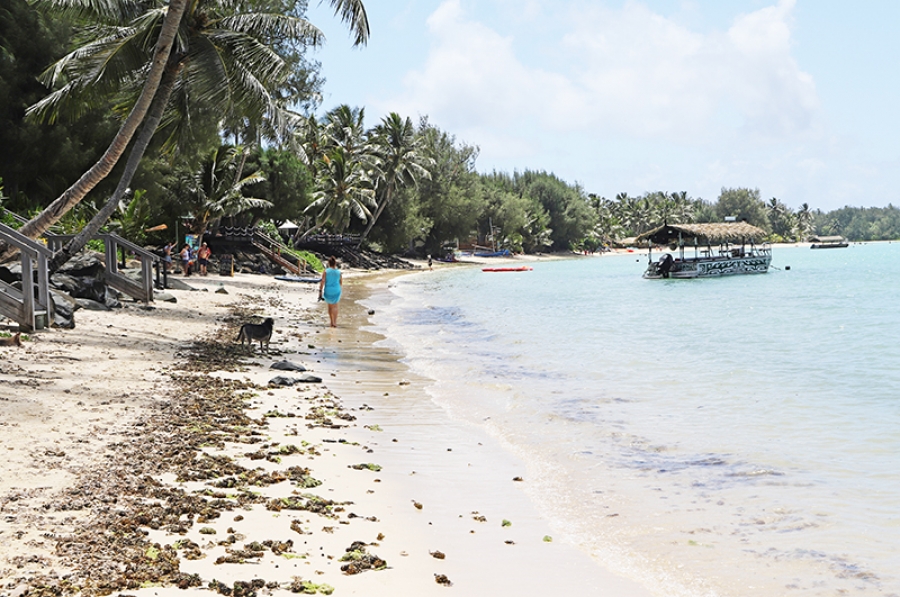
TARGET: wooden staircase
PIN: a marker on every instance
(29, 307)
(277, 251)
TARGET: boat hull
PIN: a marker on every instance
(523, 268)
(712, 267)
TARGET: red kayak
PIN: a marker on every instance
(523, 268)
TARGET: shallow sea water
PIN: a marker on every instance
(738, 436)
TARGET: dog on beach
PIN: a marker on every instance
(251, 332)
(11, 341)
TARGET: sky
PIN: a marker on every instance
(797, 98)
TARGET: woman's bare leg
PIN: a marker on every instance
(333, 314)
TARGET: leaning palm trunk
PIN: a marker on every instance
(387, 199)
(74, 194)
(154, 116)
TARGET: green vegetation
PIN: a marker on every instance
(402, 186)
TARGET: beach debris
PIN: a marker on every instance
(438, 555)
(240, 588)
(442, 579)
(359, 560)
(505, 523)
(518, 479)
(380, 537)
(307, 501)
(221, 290)
(287, 366)
(548, 539)
(403, 382)
(417, 505)
(373, 428)
(371, 311)
(510, 542)
(365, 466)
(306, 587)
(478, 517)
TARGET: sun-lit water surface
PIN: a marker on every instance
(738, 436)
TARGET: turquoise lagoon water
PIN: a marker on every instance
(735, 436)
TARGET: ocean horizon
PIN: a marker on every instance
(734, 436)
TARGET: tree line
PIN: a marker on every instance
(211, 107)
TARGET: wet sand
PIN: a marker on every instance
(397, 473)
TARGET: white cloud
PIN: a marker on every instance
(627, 71)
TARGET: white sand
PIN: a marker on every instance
(68, 394)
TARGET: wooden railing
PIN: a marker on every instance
(277, 252)
(29, 307)
(141, 289)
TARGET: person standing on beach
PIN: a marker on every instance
(186, 259)
(330, 289)
(203, 258)
(167, 256)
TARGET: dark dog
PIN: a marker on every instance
(262, 332)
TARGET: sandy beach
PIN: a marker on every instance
(146, 453)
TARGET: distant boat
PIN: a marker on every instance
(829, 242)
(523, 268)
(724, 249)
(503, 253)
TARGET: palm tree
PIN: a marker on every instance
(226, 61)
(804, 221)
(400, 160)
(216, 190)
(344, 189)
(91, 76)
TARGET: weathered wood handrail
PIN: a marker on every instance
(142, 289)
(30, 307)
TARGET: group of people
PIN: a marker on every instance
(189, 256)
(330, 285)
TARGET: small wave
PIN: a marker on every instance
(763, 472)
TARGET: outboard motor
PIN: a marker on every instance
(664, 265)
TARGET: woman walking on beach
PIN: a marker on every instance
(330, 289)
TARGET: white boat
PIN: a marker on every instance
(707, 250)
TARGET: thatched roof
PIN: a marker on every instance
(827, 239)
(704, 233)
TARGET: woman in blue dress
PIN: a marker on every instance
(330, 289)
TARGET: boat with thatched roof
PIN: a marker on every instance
(828, 242)
(721, 249)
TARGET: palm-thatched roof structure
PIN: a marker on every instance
(712, 234)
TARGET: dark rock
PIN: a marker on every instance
(91, 305)
(64, 282)
(283, 381)
(221, 291)
(178, 284)
(287, 366)
(63, 308)
(164, 297)
(112, 298)
(85, 264)
(289, 381)
(90, 288)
